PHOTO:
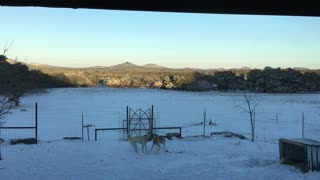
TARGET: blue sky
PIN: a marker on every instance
(80, 38)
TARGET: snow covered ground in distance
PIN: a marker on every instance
(60, 112)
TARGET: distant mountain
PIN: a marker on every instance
(146, 67)
(35, 65)
(125, 65)
(191, 69)
(98, 67)
(245, 68)
(152, 66)
(44, 66)
(301, 69)
(220, 69)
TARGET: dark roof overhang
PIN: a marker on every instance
(248, 7)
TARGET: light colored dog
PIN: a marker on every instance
(158, 140)
(139, 140)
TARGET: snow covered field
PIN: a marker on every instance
(278, 115)
(60, 111)
(214, 158)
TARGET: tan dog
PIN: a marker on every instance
(158, 140)
(139, 140)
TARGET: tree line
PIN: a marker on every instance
(267, 80)
(16, 79)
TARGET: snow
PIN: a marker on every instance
(196, 158)
(110, 157)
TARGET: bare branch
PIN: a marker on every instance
(249, 100)
(6, 47)
(254, 108)
(5, 106)
(244, 109)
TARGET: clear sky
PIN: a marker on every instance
(80, 38)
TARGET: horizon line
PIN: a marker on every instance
(160, 66)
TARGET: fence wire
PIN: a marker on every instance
(57, 125)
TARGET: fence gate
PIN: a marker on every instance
(139, 122)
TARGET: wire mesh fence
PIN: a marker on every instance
(17, 125)
(311, 126)
(82, 124)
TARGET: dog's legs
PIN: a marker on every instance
(143, 148)
(151, 147)
(146, 147)
(159, 148)
(134, 146)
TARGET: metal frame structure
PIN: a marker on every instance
(139, 122)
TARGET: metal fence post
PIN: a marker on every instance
(95, 135)
(204, 122)
(151, 124)
(254, 124)
(302, 124)
(128, 125)
(82, 126)
(36, 119)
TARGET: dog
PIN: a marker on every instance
(139, 140)
(158, 140)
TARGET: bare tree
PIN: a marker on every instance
(6, 47)
(16, 96)
(250, 104)
(5, 106)
(5, 102)
(16, 92)
(1, 140)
